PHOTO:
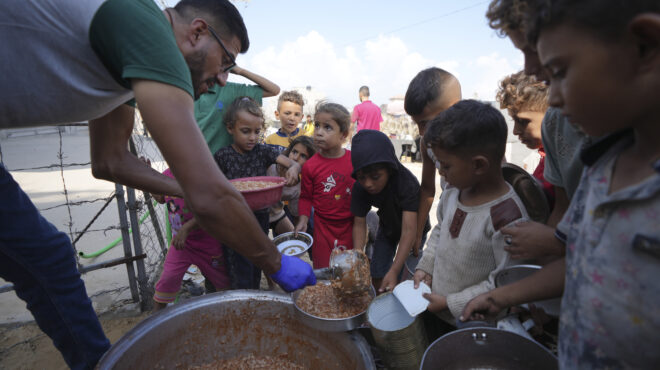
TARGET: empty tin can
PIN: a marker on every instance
(400, 338)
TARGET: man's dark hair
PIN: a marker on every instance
(364, 90)
(468, 128)
(607, 19)
(424, 88)
(220, 14)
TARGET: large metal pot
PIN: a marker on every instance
(486, 348)
(233, 324)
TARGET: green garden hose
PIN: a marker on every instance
(118, 240)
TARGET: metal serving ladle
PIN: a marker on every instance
(348, 270)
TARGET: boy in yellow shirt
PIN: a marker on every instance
(290, 113)
(308, 126)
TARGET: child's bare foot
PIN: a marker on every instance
(158, 306)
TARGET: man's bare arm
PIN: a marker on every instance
(560, 207)
(270, 88)
(112, 161)
(426, 194)
(219, 208)
(359, 232)
(545, 284)
(407, 240)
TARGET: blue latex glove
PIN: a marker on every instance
(294, 274)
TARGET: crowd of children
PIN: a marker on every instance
(602, 62)
(590, 84)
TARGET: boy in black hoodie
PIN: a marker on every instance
(383, 182)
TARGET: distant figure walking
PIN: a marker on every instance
(366, 115)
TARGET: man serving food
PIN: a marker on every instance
(70, 61)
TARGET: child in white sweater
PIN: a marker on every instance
(466, 247)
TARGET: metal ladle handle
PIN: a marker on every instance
(327, 273)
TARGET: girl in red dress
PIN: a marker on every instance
(326, 184)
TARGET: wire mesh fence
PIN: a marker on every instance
(53, 167)
(153, 229)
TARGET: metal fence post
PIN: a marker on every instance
(121, 207)
(155, 222)
(143, 282)
(150, 207)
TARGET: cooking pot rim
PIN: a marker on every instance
(479, 330)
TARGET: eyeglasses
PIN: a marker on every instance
(231, 57)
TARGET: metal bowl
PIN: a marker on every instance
(328, 324)
(512, 274)
(486, 348)
(232, 324)
(293, 245)
(410, 265)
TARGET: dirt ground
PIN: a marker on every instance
(25, 346)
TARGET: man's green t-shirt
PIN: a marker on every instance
(141, 45)
(211, 106)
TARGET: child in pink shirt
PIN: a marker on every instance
(190, 246)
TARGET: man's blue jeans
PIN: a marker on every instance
(40, 262)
